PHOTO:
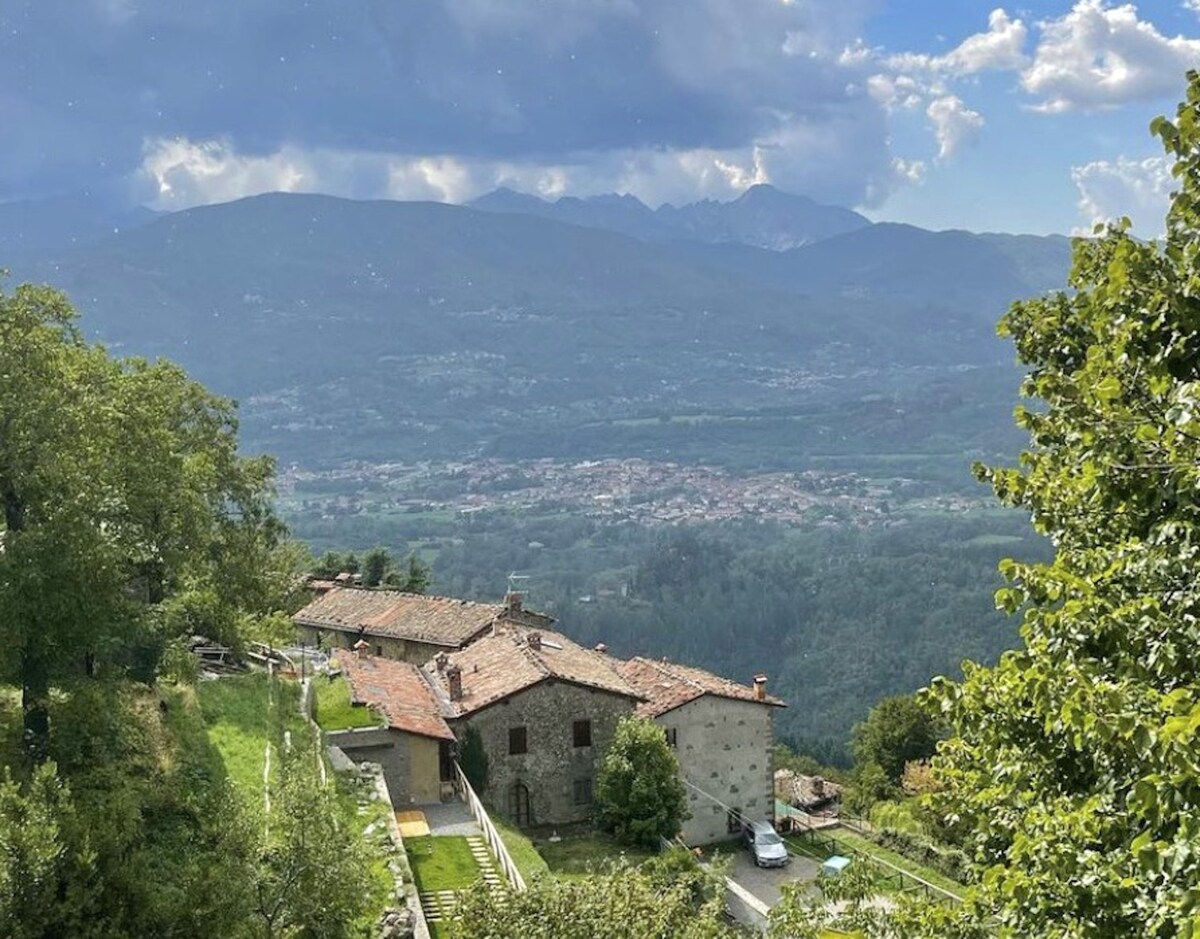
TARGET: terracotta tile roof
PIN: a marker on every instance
(398, 691)
(505, 662)
(441, 621)
(666, 686)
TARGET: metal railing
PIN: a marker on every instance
(490, 834)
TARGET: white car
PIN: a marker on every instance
(766, 847)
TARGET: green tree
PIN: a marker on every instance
(47, 876)
(375, 565)
(1073, 773)
(121, 486)
(413, 579)
(474, 759)
(639, 795)
(616, 903)
(843, 905)
(897, 731)
(311, 873)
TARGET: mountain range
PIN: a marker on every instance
(377, 329)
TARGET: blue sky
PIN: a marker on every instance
(1027, 117)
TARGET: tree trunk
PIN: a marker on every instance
(35, 700)
(35, 676)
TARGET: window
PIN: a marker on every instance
(583, 792)
(672, 734)
(517, 742)
(379, 651)
(733, 821)
(583, 734)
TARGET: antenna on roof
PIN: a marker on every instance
(513, 578)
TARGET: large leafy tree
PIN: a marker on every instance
(1073, 775)
(639, 796)
(121, 488)
(671, 900)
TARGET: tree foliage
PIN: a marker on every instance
(639, 795)
(121, 487)
(1073, 775)
(665, 902)
(897, 731)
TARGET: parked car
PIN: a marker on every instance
(766, 847)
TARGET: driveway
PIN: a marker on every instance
(764, 883)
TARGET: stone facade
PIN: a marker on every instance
(410, 762)
(724, 748)
(400, 650)
(557, 776)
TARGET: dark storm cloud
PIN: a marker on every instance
(85, 84)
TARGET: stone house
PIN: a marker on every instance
(415, 744)
(546, 709)
(723, 737)
(408, 627)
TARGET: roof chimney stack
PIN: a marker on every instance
(760, 687)
(454, 680)
(361, 648)
(513, 601)
(534, 640)
(440, 661)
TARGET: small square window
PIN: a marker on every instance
(379, 651)
(583, 733)
(583, 792)
(517, 742)
(672, 734)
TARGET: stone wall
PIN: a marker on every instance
(553, 764)
(724, 747)
(401, 650)
(409, 761)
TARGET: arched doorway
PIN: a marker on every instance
(518, 805)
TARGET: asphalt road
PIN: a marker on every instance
(764, 884)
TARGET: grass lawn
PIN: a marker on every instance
(856, 844)
(580, 855)
(529, 862)
(334, 710)
(441, 862)
(242, 713)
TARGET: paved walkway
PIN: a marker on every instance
(450, 818)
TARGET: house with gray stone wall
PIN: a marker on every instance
(723, 736)
(413, 743)
(545, 709)
(408, 627)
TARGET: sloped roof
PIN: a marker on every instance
(442, 621)
(398, 691)
(666, 686)
(504, 662)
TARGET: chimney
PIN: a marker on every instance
(440, 661)
(454, 680)
(512, 602)
(534, 640)
(602, 648)
(361, 648)
(760, 687)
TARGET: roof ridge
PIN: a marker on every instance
(423, 596)
(661, 666)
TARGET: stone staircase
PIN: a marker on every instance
(439, 904)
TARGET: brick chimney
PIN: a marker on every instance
(454, 680)
(534, 640)
(602, 648)
(513, 602)
(361, 648)
(440, 661)
(760, 687)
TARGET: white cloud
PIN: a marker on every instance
(1139, 189)
(954, 124)
(187, 173)
(1097, 56)
(1001, 48)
